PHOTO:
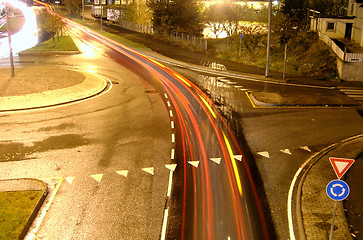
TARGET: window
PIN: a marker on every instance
(330, 26)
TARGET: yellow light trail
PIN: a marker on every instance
(235, 169)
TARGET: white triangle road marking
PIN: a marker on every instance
(97, 177)
(238, 157)
(216, 160)
(306, 148)
(149, 170)
(264, 154)
(194, 163)
(69, 179)
(287, 151)
(171, 167)
(123, 173)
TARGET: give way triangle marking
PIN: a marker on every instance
(194, 163)
(341, 165)
(97, 177)
(123, 173)
(149, 170)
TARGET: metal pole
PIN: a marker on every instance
(285, 58)
(101, 16)
(83, 10)
(267, 72)
(332, 223)
(9, 37)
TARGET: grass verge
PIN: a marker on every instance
(65, 43)
(94, 26)
(15, 24)
(16, 208)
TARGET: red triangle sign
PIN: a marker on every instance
(341, 165)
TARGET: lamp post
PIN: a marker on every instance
(11, 51)
(101, 15)
(267, 72)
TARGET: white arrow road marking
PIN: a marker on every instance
(194, 163)
(97, 177)
(171, 167)
(306, 148)
(216, 160)
(149, 170)
(287, 151)
(123, 173)
(238, 157)
(69, 179)
(264, 154)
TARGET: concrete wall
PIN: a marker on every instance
(350, 71)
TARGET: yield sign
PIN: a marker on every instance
(341, 165)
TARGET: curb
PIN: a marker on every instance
(310, 163)
(90, 87)
(41, 186)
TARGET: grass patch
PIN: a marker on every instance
(15, 24)
(96, 27)
(16, 208)
(65, 43)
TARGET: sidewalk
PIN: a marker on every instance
(316, 206)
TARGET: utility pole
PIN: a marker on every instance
(267, 72)
(101, 16)
(83, 10)
(11, 52)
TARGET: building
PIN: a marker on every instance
(355, 10)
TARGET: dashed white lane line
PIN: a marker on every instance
(173, 138)
(172, 154)
(172, 124)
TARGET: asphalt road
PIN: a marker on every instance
(100, 147)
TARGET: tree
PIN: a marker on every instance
(177, 15)
(73, 6)
(330, 8)
(296, 11)
(50, 23)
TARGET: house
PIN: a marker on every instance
(355, 9)
(333, 30)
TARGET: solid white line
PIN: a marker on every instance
(165, 220)
(39, 221)
(289, 203)
(170, 183)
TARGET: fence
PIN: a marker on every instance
(347, 57)
(198, 42)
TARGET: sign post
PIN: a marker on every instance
(338, 190)
(240, 43)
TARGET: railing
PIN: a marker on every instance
(347, 57)
(141, 28)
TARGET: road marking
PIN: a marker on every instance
(194, 163)
(287, 151)
(38, 221)
(264, 154)
(306, 148)
(123, 173)
(172, 124)
(97, 177)
(149, 170)
(172, 153)
(69, 179)
(216, 160)
(238, 157)
(166, 96)
(165, 221)
(171, 167)
(171, 113)
(208, 106)
(168, 102)
(173, 138)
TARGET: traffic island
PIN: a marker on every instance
(20, 201)
(303, 99)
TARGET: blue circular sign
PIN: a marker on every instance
(337, 190)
